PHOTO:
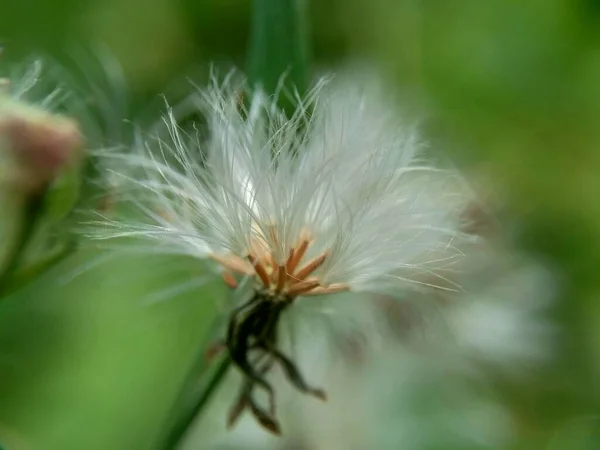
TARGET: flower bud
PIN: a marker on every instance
(36, 145)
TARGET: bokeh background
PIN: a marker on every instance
(90, 358)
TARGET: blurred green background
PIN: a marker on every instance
(510, 86)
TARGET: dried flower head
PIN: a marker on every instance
(338, 197)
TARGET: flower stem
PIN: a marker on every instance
(23, 275)
(188, 417)
(33, 209)
(278, 47)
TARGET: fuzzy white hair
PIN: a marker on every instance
(27, 82)
(341, 183)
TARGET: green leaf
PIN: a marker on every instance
(581, 433)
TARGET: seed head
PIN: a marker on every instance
(337, 197)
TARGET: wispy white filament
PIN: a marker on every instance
(26, 82)
(344, 171)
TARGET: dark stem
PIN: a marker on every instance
(252, 329)
(187, 419)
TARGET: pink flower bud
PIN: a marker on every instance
(40, 145)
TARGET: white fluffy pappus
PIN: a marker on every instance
(337, 197)
(30, 82)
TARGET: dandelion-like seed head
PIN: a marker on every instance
(337, 197)
(341, 196)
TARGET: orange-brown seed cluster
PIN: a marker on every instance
(291, 278)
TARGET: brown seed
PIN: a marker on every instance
(260, 270)
(295, 257)
(281, 278)
(233, 263)
(229, 279)
(302, 287)
(310, 267)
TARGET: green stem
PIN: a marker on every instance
(36, 269)
(187, 419)
(279, 46)
(31, 215)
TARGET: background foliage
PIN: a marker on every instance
(91, 361)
